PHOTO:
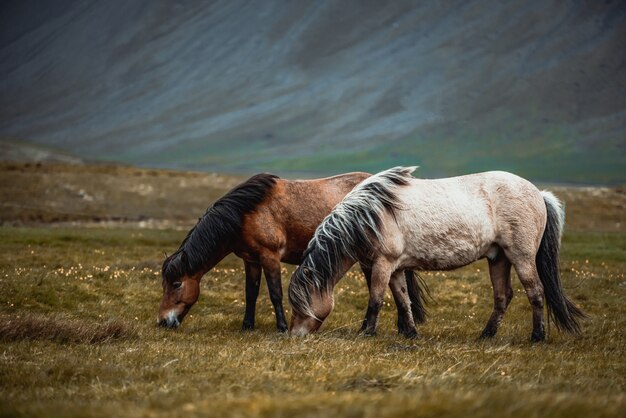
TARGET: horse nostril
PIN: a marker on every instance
(163, 323)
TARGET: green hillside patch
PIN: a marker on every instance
(554, 155)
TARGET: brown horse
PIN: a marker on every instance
(264, 221)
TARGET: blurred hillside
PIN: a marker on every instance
(534, 87)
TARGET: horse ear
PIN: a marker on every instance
(165, 254)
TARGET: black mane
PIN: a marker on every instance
(221, 222)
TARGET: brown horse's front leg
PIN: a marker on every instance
(253, 281)
(271, 267)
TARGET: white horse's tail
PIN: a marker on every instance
(560, 307)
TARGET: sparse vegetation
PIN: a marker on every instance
(60, 329)
(51, 192)
(63, 286)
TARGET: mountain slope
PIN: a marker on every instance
(534, 87)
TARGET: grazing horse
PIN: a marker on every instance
(392, 221)
(264, 221)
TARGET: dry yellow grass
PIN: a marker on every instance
(210, 368)
(60, 328)
(62, 286)
(49, 192)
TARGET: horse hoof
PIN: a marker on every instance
(537, 338)
(247, 326)
(487, 334)
(282, 328)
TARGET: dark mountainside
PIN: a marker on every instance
(533, 87)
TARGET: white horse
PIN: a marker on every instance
(393, 222)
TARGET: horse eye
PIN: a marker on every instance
(177, 285)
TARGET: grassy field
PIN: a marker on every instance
(78, 337)
(53, 193)
(98, 277)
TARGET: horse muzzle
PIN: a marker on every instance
(169, 321)
(300, 327)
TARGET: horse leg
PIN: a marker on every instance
(527, 273)
(253, 282)
(381, 273)
(271, 267)
(367, 272)
(417, 295)
(404, 327)
(406, 324)
(500, 274)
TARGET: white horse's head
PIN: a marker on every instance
(311, 301)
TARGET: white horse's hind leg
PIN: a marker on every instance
(406, 324)
(527, 272)
(500, 274)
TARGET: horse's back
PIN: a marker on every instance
(326, 191)
(502, 192)
(453, 221)
(286, 220)
(305, 203)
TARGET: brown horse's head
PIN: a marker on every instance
(310, 303)
(180, 290)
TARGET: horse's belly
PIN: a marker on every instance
(441, 258)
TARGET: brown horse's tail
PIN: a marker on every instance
(562, 310)
(417, 291)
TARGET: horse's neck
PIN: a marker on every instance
(341, 269)
(214, 259)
